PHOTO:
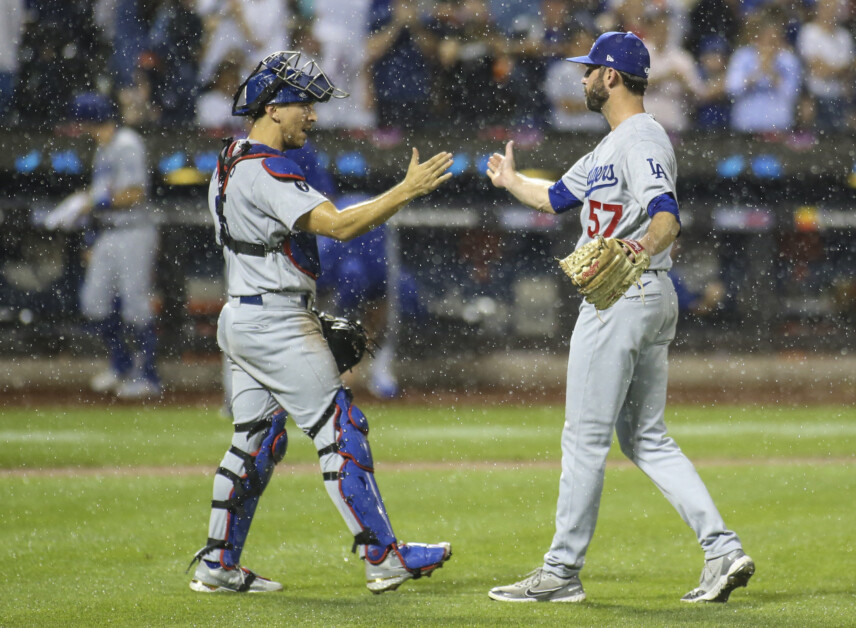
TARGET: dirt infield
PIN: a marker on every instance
(784, 395)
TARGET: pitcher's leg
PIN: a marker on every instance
(641, 431)
(599, 369)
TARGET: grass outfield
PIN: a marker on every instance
(103, 507)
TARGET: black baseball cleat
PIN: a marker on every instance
(721, 576)
(540, 586)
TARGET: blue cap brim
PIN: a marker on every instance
(586, 60)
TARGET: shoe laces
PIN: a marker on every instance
(532, 578)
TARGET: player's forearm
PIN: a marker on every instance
(532, 192)
(355, 220)
(661, 233)
(363, 217)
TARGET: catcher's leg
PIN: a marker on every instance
(240, 480)
(348, 470)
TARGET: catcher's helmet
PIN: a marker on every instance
(280, 78)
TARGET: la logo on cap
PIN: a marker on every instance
(609, 58)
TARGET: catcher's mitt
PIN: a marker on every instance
(602, 270)
(347, 339)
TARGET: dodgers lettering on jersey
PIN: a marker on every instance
(631, 166)
(264, 198)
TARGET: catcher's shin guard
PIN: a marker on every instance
(348, 470)
(241, 478)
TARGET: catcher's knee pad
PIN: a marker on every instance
(355, 491)
(241, 478)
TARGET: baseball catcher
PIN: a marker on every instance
(284, 359)
(603, 269)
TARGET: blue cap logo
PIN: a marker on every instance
(624, 52)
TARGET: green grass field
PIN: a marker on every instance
(103, 507)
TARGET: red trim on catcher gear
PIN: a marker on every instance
(280, 175)
(232, 165)
(384, 555)
(286, 248)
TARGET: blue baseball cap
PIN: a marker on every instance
(92, 107)
(624, 52)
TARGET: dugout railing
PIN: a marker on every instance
(773, 219)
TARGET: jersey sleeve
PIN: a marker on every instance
(281, 189)
(572, 183)
(650, 171)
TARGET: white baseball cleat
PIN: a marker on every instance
(218, 579)
(138, 389)
(106, 381)
(721, 576)
(540, 586)
(405, 561)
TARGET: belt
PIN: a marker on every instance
(275, 299)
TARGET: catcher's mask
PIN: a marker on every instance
(280, 78)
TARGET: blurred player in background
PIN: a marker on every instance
(618, 364)
(267, 218)
(120, 262)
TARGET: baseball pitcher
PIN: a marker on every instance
(617, 370)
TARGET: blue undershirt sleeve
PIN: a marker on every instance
(561, 198)
(664, 203)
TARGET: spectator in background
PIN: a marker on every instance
(564, 89)
(631, 16)
(826, 47)
(399, 55)
(137, 100)
(713, 18)
(175, 46)
(131, 19)
(713, 110)
(763, 77)
(11, 34)
(473, 75)
(60, 53)
(673, 83)
(341, 30)
(254, 27)
(531, 50)
(214, 105)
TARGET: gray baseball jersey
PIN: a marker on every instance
(618, 363)
(266, 196)
(617, 180)
(122, 258)
(120, 165)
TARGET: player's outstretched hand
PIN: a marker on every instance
(425, 177)
(500, 168)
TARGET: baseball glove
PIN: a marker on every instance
(347, 339)
(602, 270)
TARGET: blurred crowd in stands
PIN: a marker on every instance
(493, 66)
